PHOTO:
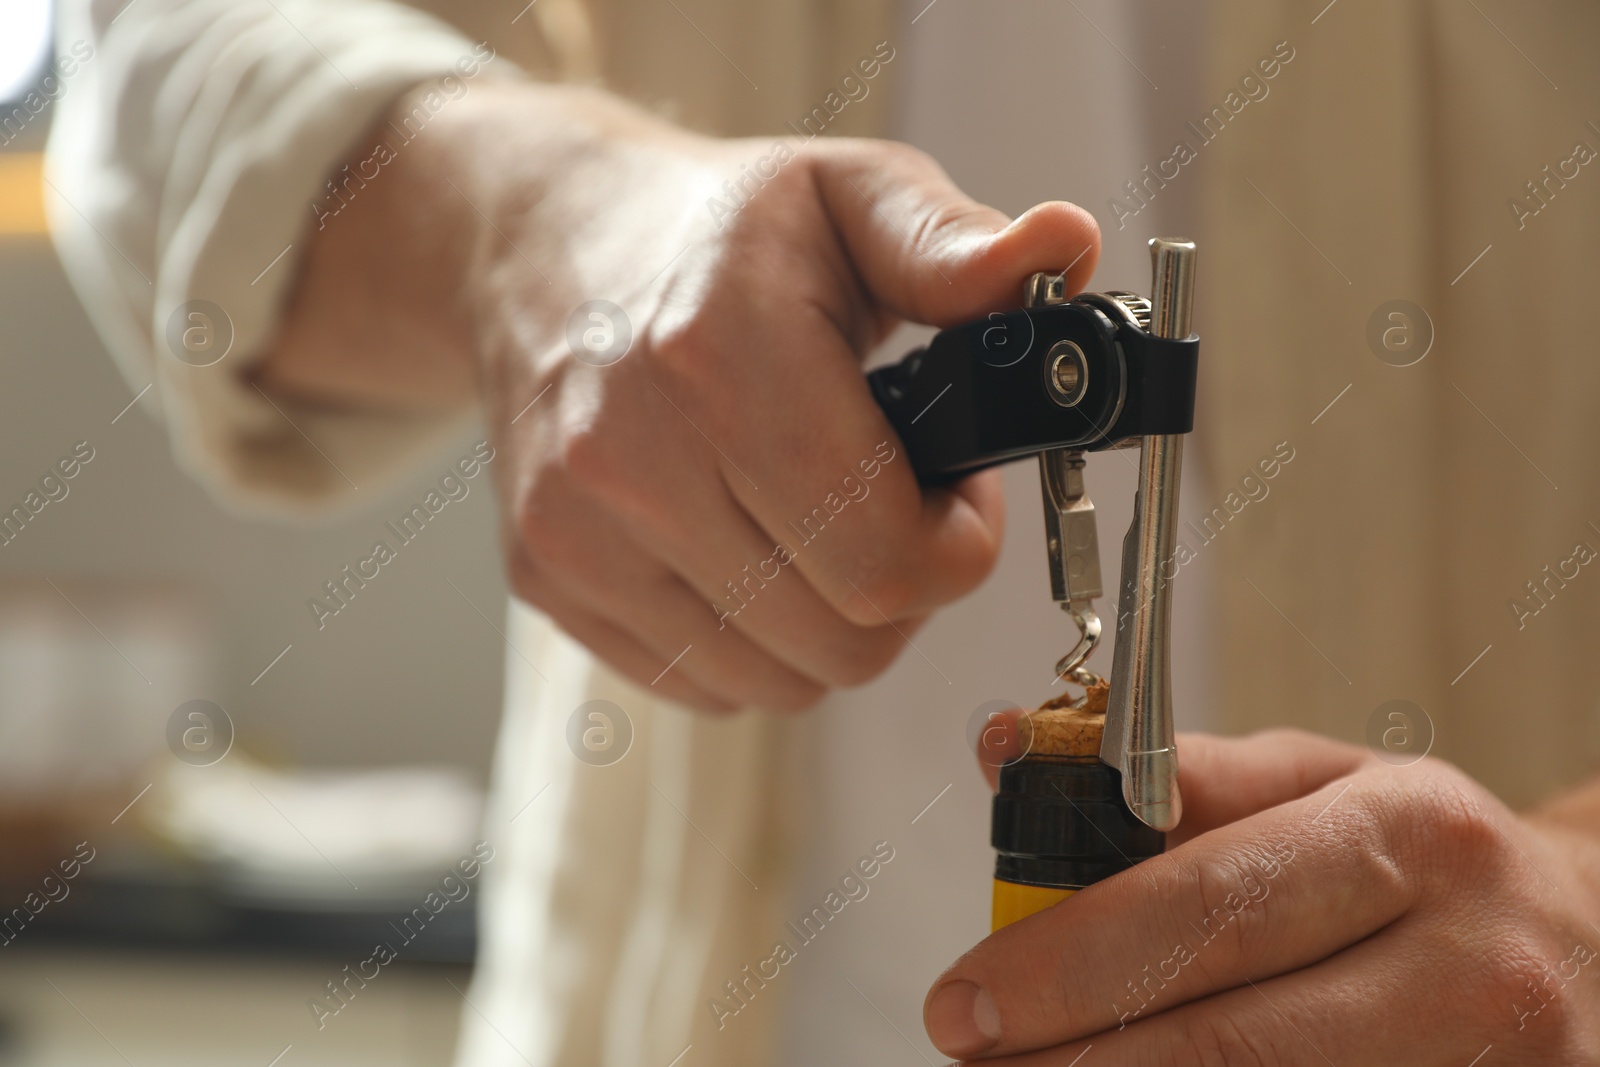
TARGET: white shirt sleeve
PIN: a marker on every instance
(193, 141)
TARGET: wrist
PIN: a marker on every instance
(554, 161)
(376, 318)
(572, 194)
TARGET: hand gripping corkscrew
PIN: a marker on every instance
(1058, 379)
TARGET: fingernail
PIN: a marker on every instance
(962, 1019)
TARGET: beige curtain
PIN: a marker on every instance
(1420, 504)
(732, 69)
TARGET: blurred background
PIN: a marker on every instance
(260, 799)
(247, 802)
(212, 807)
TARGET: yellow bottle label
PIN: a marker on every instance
(1013, 901)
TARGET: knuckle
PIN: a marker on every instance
(878, 589)
(557, 532)
(1504, 972)
(590, 456)
(1373, 839)
(1462, 823)
(1453, 824)
(942, 216)
(534, 529)
(1526, 978)
(756, 171)
(1516, 984)
(681, 341)
(1232, 894)
(1380, 835)
(524, 579)
(777, 167)
(1552, 1030)
(896, 152)
(538, 521)
(596, 469)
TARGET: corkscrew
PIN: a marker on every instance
(1061, 378)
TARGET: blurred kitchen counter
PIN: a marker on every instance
(86, 1008)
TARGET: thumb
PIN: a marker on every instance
(932, 254)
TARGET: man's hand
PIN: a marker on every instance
(1317, 906)
(728, 486)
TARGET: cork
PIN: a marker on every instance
(1058, 728)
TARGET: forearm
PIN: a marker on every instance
(383, 312)
(375, 318)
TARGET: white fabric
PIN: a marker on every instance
(185, 159)
(620, 891)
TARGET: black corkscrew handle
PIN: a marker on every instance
(1026, 381)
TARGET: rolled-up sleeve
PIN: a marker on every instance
(187, 168)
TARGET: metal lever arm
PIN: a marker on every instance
(1138, 733)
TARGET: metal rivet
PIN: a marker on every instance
(1066, 373)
